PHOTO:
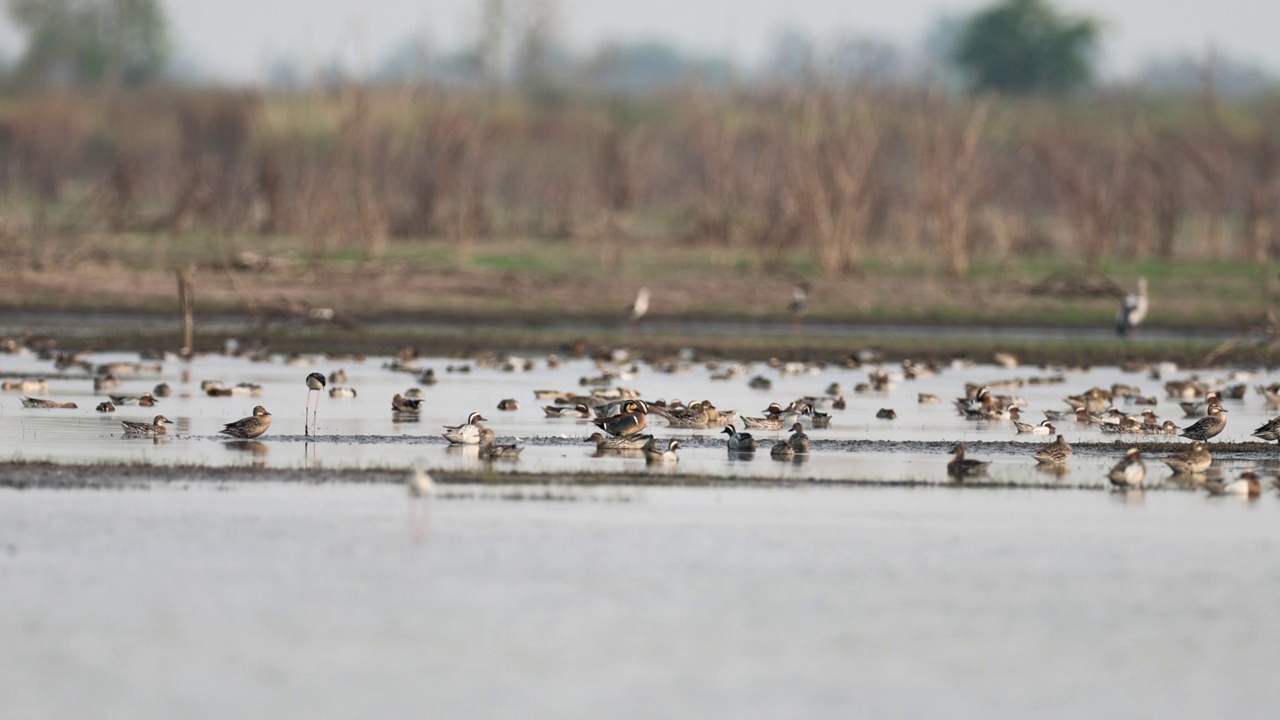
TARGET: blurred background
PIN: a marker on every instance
(1009, 161)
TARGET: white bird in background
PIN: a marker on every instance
(1132, 309)
(799, 305)
(638, 308)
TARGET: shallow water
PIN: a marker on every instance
(362, 432)
(265, 600)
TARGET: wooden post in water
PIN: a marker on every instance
(186, 306)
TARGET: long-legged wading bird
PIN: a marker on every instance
(315, 384)
(1133, 309)
(799, 306)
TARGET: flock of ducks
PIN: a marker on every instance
(622, 418)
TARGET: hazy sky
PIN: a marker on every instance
(233, 38)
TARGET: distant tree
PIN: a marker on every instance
(1025, 47)
(89, 42)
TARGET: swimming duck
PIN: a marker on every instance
(490, 449)
(772, 419)
(467, 433)
(630, 421)
(145, 400)
(1208, 426)
(782, 450)
(250, 427)
(1133, 309)
(661, 451)
(151, 429)
(1247, 485)
(402, 404)
(1130, 471)
(342, 392)
(798, 440)
(1044, 428)
(632, 442)
(338, 377)
(106, 406)
(739, 442)
(1195, 459)
(1054, 453)
(566, 411)
(960, 466)
(30, 402)
(508, 405)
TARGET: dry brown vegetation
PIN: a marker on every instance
(811, 180)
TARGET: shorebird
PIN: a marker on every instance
(1195, 459)
(661, 451)
(151, 429)
(799, 306)
(1130, 471)
(638, 308)
(739, 442)
(315, 384)
(1133, 309)
(960, 466)
(1054, 453)
(467, 433)
(250, 427)
(420, 483)
(1208, 426)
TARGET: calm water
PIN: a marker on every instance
(362, 431)
(273, 601)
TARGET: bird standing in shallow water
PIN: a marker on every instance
(1133, 309)
(638, 308)
(315, 384)
(1208, 426)
(799, 306)
(250, 427)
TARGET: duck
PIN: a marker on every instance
(250, 427)
(772, 419)
(782, 450)
(1044, 428)
(739, 441)
(106, 406)
(1270, 430)
(151, 429)
(1247, 485)
(796, 413)
(960, 466)
(798, 440)
(338, 377)
(102, 383)
(1208, 426)
(467, 433)
(565, 411)
(630, 421)
(661, 451)
(1130, 471)
(886, 414)
(629, 442)
(342, 392)
(1191, 461)
(508, 405)
(402, 404)
(1054, 453)
(490, 449)
(30, 402)
(146, 399)
(1133, 310)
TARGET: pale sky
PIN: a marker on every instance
(233, 39)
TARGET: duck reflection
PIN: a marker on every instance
(255, 448)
